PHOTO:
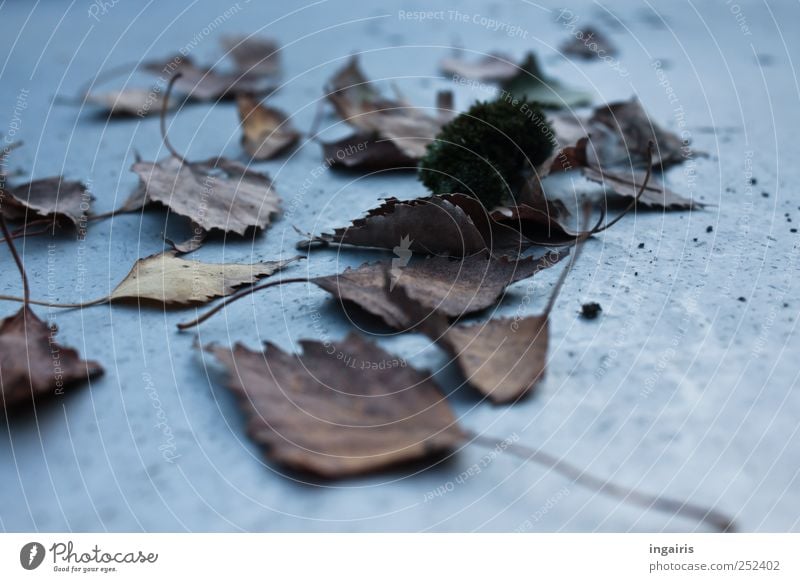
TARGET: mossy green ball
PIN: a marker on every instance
(485, 151)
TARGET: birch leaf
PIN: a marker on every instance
(28, 370)
(340, 408)
(166, 278)
(266, 132)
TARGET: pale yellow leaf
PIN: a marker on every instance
(171, 280)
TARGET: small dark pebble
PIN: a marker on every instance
(753, 181)
(792, 230)
(765, 194)
(742, 299)
(709, 229)
(641, 245)
(590, 310)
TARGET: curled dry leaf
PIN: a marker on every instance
(452, 288)
(487, 69)
(361, 105)
(452, 225)
(214, 194)
(206, 84)
(341, 408)
(132, 101)
(170, 280)
(47, 198)
(365, 152)
(503, 358)
(620, 133)
(531, 82)
(32, 364)
(252, 54)
(628, 185)
(266, 132)
(618, 137)
(28, 370)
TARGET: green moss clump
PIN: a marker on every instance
(486, 151)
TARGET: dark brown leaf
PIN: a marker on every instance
(32, 365)
(365, 152)
(48, 198)
(266, 131)
(205, 84)
(360, 104)
(453, 288)
(214, 194)
(453, 225)
(340, 408)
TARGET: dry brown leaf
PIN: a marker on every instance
(452, 225)
(266, 132)
(503, 358)
(32, 365)
(205, 84)
(47, 198)
(340, 408)
(365, 152)
(627, 185)
(360, 104)
(452, 288)
(171, 280)
(620, 133)
(131, 101)
(214, 194)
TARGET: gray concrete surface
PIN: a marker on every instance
(679, 388)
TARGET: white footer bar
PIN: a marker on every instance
(400, 557)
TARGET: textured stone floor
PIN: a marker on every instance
(686, 385)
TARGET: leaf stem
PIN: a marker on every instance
(10, 240)
(164, 137)
(712, 517)
(638, 195)
(232, 298)
(30, 301)
(565, 273)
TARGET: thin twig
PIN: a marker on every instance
(633, 203)
(164, 137)
(712, 517)
(232, 298)
(99, 301)
(7, 235)
(565, 273)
